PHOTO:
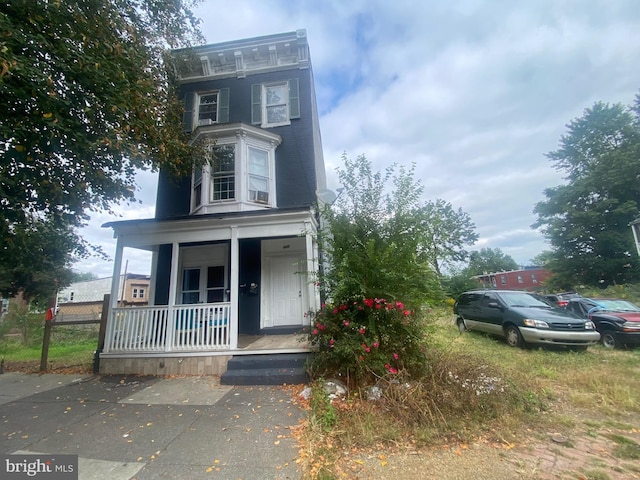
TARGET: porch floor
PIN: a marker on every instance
(272, 342)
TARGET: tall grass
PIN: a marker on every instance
(478, 386)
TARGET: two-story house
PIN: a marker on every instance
(233, 246)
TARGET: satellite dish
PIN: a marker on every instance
(326, 196)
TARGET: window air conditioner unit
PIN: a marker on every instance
(205, 121)
(262, 197)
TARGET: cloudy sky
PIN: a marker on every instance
(474, 92)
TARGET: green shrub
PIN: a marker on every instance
(362, 340)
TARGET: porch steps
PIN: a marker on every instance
(266, 369)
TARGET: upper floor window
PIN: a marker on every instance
(274, 104)
(258, 175)
(503, 280)
(534, 279)
(520, 279)
(223, 173)
(138, 293)
(207, 108)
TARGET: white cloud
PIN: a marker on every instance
(474, 92)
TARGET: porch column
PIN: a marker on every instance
(312, 268)
(154, 277)
(173, 291)
(115, 290)
(235, 285)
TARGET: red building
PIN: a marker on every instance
(528, 278)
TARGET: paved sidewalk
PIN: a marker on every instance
(151, 428)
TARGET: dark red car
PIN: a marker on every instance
(561, 299)
(617, 320)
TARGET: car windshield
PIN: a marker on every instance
(616, 305)
(522, 299)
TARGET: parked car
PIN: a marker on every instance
(617, 320)
(561, 299)
(522, 319)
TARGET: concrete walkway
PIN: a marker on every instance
(151, 428)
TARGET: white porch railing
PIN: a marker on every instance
(152, 329)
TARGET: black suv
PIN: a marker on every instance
(522, 318)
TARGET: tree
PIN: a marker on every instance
(586, 220)
(374, 241)
(445, 232)
(86, 99)
(489, 260)
(38, 265)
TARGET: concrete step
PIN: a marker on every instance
(271, 369)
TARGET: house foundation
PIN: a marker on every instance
(162, 366)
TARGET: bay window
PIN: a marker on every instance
(240, 175)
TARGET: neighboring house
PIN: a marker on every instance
(234, 245)
(528, 278)
(83, 300)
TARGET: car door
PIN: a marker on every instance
(468, 307)
(491, 313)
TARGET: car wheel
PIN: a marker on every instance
(461, 326)
(513, 336)
(609, 339)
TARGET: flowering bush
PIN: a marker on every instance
(361, 339)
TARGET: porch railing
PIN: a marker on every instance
(154, 329)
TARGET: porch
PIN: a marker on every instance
(187, 329)
(184, 340)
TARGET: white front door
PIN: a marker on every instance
(286, 290)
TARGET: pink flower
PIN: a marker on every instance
(386, 365)
(395, 355)
(346, 323)
(361, 330)
(368, 350)
(375, 344)
(393, 370)
(335, 310)
(399, 305)
(332, 341)
(406, 313)
(368, 302)
(315, 331)
(321, 326)
(361, 357)
(378, 306)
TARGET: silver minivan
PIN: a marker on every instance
(522, 319)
